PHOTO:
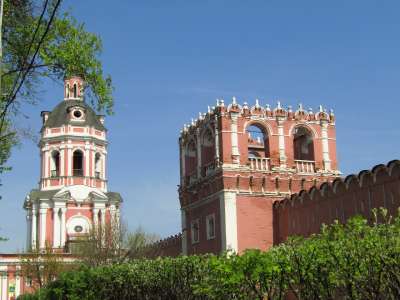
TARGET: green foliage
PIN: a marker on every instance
(356, 260)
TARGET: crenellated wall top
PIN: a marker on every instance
(364, 179)
(258, 111)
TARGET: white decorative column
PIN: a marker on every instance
(43, 214)
(56, 227)
(325, 145)
(4, 284)
(69, 154)
(95, 217)
(234, 139)
(34, 227)
(216, 140)
(86, 159)
(281, 140)
(63, 227)
(182, 153)
(29, 229)
(198, 150)
(229, 237)
(184, 232)
(17, 282)
(62, 160)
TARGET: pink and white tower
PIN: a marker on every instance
(72, 194)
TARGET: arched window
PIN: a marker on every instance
(97, 165)
(303, 144)
(55, 164)
(77, 163)
(207, 152)
(75, 90)
(191, 160)
(257, 142)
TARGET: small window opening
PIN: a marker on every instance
(77, 161)
(195, 230)
(77, 114)
(210, 227)
(75, 91)
(97, 164)
(55, 165)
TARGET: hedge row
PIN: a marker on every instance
(351, 261)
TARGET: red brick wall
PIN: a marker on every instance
(304, 213)
(254, 222)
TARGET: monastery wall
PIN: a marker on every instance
(305, 212)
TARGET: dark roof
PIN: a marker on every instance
(59, 115)
(36, 194)
(113, 196)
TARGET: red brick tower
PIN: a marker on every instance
(72, 194)
(236, 161)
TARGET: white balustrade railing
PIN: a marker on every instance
(305, 166)
(259, 163)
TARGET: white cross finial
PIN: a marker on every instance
(222, 102)
(279, 105)
(300, 106)
(268, 107)
(234, 100)
(209, 109)
(321, 109)
(257, 104)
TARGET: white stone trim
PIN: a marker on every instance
(229, 238)
(234, 139)
(184, 232)
(281, 139)
(325, 146)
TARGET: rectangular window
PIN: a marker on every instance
(210, 221)
(195, 231)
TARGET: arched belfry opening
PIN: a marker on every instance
(77, 163)
(207, 152)
(55, 164)
(303, 150)
(191, 161)
(257, 147)
(303, 144)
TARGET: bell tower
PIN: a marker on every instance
(72, 194)
(237, 160)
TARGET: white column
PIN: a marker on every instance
(216, 140)
(95, 217)
(86, 159)
(281, 139)
(63, 228)
(182, 149)
(184, 232)
(62, 159)
(229, 238)
(43, 213)
(325, 145)
(34, 228)
(234, 139)
(29, 229)
(17, 282)
(56, 227)
(198, 149)
(69, 149)
(4, 292)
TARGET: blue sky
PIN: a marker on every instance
(170, 59)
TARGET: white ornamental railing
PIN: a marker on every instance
(259, 163)
(305, 166)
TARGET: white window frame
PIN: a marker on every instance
(208, 218)
(192, 228)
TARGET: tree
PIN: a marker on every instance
(138, 241)
(41, 267)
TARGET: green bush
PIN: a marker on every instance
(351, 261)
